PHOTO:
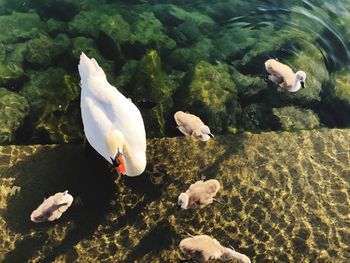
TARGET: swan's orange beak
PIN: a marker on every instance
(119, 163)
(121, 169)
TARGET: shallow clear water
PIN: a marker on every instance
(287, 194)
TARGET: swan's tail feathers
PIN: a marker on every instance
(89, 68)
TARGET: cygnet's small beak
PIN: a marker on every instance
(178, 207)
(302, 83)
(211, 135)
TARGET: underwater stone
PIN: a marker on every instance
(53, 96)
(258, 117)
(10, 74)
(341, 88)
(149, 83)
(125, 75)
(86, 23)
(294, 118)
(88, 46)
(183, 58)
(187, 33)
(13, 109)
(116, 28)
(55, 26)
(173, 15)
(211, 95)
(20, 27)
(147, 30)
(42, 50)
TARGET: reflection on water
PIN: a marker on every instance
(286, 199)
(286, 194)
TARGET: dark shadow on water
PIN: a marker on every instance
(157, 239)
(87, 177)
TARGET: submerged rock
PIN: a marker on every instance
(88, 46)
(20, 27)
(184, 58)
(341, 88)
(173, 15)
(294, 118)
(53, 97)
(10, 74)
(42, 50)
(150, 84)
(147, 31)
(13, 109)
(211, 95)
(258, 117)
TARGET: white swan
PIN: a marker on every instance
(113, 125)
(283, 75)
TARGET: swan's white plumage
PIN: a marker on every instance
(111, 121)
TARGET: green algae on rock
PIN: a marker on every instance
(150, 83)
(50, 94)
(342, 86)
(147, 30)
(258, 117)
(20, 27)
(88, 46)
(294, 118)
(13, 109)
(210, 94)
(42, 50)
(10, 74)
(182, 58)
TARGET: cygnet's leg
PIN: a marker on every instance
(219, 201)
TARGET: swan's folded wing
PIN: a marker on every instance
(99, 89)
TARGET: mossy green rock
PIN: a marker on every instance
(342, 86)
(55, 26)
(11, 60)
(13, 109)
(52, 94)
(150, 83)
(42, 50)
(184, 58)
(20, 27)
(148, 30)
(15, 53)
(175, 15)
(212, 95)
(88, 46)
(116, 28)
(249, 87)
(258, 117)
(10, 73)
(294, 118)
(86, 23)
